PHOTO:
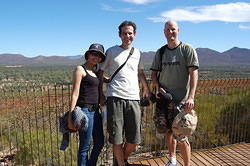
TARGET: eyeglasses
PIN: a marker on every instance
(94, 53)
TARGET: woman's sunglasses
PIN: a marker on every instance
(94, 53)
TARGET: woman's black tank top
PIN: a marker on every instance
(88, 93)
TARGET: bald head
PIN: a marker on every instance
(171, 31)
(171, 23)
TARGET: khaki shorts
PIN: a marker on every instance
(123, 118)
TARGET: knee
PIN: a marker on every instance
(184, 143)
(117, 146)
(83, 150)
(131, 146)
(169, 135)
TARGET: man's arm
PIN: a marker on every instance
(142, 79)
(155, 81)
(193, 72)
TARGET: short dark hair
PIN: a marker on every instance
(127, 23)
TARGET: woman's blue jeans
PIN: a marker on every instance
(95, 129)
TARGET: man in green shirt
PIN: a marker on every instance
(175, 70)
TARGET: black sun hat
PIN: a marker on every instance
(96, 48)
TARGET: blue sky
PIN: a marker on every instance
(68, 27)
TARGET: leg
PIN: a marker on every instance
(132, 126)
(118, 153)
(115, 124)
(98, 139)
(171, 143)
(85, 138)
(128, 149)
(185, 151)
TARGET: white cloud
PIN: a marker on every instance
(140, 2)
(231, 12)
(125, 10)
(244, 26)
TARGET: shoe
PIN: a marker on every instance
(169, 163)
(126, 163)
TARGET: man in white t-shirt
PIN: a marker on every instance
(123, 110)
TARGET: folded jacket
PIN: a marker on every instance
(80, 121)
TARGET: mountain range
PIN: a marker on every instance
(233, 56)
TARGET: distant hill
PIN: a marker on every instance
(233, 56)
(75, 57)
(13, 59)
(18, 59)
(240, 55)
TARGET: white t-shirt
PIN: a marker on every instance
(125, 84)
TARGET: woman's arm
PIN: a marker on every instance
(78, 74)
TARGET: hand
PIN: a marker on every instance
(189, 105)
(106, 80)
(159, 90)
(72, 127)
(70, 123)
(146, 94)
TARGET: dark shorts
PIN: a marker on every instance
(123, 118)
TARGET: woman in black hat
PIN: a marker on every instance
(85, 94)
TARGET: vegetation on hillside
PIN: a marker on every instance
(62, 74)
(39, 75)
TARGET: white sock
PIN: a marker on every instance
(173, 160)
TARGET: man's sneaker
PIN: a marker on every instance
(170, 163)
(126, 163)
